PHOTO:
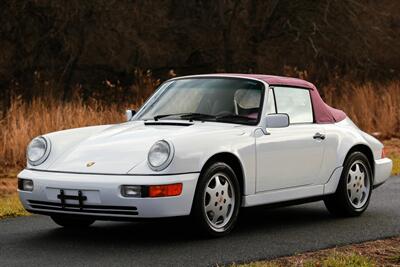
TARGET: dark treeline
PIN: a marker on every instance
(88, 42)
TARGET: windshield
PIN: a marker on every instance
(207, 99)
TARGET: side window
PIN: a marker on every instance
(295, 102)
(270, 102)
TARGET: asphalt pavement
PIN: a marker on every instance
(260, 234)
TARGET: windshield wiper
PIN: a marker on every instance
(188, 116)
(233, 117)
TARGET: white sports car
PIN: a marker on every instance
(205, 146)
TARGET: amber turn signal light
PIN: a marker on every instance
(168, 190)
(383, 155)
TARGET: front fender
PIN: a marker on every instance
(192, 153)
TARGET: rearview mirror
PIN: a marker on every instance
(129, 113)
(278, 120)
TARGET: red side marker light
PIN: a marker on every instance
(383, 153)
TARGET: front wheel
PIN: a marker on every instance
(68, 222)
(354, 190)
(217, 200)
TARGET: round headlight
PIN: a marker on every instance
(38, 150)
(160, 155)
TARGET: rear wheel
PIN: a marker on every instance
(354, 190)
(72, 222)
(217, 200)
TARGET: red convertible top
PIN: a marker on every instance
(322, 112)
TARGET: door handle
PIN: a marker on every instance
(319, 136)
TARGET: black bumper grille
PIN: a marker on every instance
(83, 208)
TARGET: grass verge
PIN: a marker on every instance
(10, 206)
(384, 252)
(392, 147)
(396, 165)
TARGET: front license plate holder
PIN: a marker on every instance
(63, 197)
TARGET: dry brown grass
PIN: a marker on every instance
(384, 252)
(8, 186)
(48, 113)
(375, 108)
(27, 120)
(393, 152)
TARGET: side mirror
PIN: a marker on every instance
(278, 120)
(129, 113)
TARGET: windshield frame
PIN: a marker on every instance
(165, 85)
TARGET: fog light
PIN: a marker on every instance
(131, 190)
(25, 184)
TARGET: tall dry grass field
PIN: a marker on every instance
(27, 120)
(375, 108)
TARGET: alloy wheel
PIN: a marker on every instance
(358, 184)
(219, 201)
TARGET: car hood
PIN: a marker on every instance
(119, 148)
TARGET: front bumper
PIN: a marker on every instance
(383, 169)
(103, 195)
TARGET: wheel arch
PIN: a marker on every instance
(233, 161)
(366, 150)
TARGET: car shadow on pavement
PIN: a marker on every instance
(252, 221)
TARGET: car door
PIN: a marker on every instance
(291, 156)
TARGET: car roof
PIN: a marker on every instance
(270, 79)
(323, 113)
(278, 80)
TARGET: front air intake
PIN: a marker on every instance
(83, 208)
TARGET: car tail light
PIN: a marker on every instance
(165, 190)
(383, 155)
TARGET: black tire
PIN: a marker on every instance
(199, 214)
(69, 222)
(339, 203)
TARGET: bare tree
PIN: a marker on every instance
(88, 42)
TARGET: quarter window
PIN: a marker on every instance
(295, 102)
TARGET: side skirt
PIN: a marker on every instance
(292, 202)
(300, 195)
(283, 195)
